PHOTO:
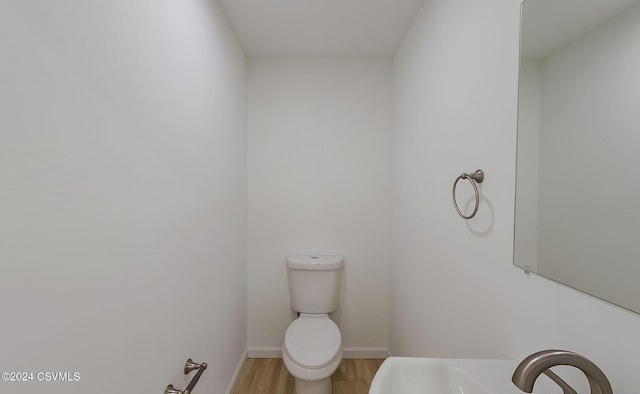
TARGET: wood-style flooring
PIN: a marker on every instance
(270, 376)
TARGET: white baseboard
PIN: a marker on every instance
(237, 371)
(265, 352)
(365, 352)
(348, 352)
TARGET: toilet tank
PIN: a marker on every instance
(314, 282)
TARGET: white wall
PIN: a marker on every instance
(122, 182)
(526, 224)
(589, 141)
(454, 291)
(319, 133)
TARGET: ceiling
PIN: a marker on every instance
(320, 27)
(548, 25)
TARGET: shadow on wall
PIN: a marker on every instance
(481, 224)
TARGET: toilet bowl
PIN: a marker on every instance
(312, 351)
(312, 347)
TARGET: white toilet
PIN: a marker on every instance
(312, 347)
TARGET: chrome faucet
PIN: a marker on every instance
(531, 367)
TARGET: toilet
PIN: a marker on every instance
(312, 348)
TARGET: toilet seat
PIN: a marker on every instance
(313, 341)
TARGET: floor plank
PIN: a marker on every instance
(270, 376)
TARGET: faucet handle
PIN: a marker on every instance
(566, 389)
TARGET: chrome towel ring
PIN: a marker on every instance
(476, 177)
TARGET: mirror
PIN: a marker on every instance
(577, 217)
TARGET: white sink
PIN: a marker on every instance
(409, 375)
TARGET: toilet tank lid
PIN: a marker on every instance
(315, 262)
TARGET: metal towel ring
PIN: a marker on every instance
(478, 177)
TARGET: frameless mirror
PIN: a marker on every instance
(578, 185)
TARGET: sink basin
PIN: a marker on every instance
(409, 375)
